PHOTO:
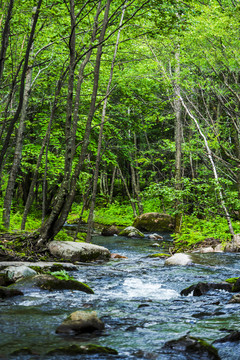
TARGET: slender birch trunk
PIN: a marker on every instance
(209, 154)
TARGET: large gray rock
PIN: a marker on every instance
(81, 322)
(179, 259)
(131, 232)
(154, 222)
(75, 251)
(18, 272)
(39, 266)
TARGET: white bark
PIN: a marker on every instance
(209, 154)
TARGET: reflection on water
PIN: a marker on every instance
(138, 299)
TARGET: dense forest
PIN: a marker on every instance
(121, 107)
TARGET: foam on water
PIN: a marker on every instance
(136, 288)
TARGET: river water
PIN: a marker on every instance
(137, 298)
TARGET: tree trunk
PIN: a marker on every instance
(66, 194)
(44, 143)
(178, 140)
(5, 37)
(19, 144)
(112, 185)
(22, 85)
(128, 193)
(209, 154)
(95, 178)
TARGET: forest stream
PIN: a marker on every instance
(137, 298)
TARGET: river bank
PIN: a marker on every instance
(137, 298)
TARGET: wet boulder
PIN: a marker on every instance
(131, 232)
(6, 292)
(179, 259)
(75, 349)
(155, 237)
(50, 282)
(154, 221)
(4, 280)
(235, 299)
(192, 348)
(236, 285)
(75, 251)
(81, 322)
(110, 231)
(202, 288)
(117, 256)
(18, 272)
(234, 336)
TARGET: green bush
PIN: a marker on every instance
(195, 230)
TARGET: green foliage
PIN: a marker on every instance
(196, 230)
(63, 235)
(62, 275)
(115, 213)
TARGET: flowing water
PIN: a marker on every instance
(137, 298)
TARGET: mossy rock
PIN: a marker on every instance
(236, 286)
(232, 280)
(4, 280)
(50, 282)
(159, 255)
(81, 322)
(154, 222)
(82, 349)
(131, 232)
(6, 292)
(23, 351)
(235, 281)
(192, 347)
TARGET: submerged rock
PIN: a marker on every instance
(50, 282)
(202, 288)
(82, 349)
(154, 222)
(75, 251)
(6, 292)
(131, 232)
(117, 256)
(193, 348)
(81, 322)
(179, 259)
(232, 337)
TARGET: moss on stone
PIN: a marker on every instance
(232, 280)
(159, 255)
(38, 269)
(49, 282)
(83, 349)
(23, 351)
